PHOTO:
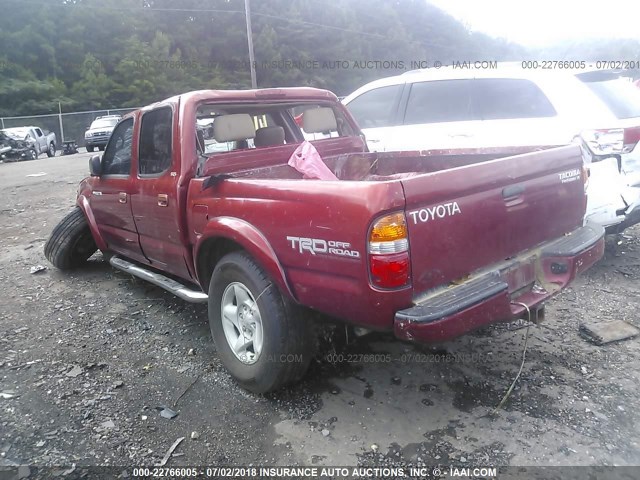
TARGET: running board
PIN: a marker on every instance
(178, 289)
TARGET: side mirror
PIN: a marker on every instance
(95, 166)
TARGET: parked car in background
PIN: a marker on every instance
(13, 150)
(42, 141)
(452, 109)
(99, 132)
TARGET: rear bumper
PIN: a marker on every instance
(491, 297)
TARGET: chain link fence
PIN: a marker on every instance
(66, 126)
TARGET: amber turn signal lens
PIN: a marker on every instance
(389, 228)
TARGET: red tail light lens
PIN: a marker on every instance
(631, 138)
(389, 252)
(390, 271)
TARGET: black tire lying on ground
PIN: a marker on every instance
(71, 242)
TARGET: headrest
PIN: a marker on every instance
(319, 120)
(231, 128)
(268, 136)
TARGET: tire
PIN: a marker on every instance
(281, 353)
(33, 154)
(89, 148)
(101, 148)
(71, 242)
(51, 152)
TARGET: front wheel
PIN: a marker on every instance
(71, 242)
(259, 338)
(33, 154)
(51, 152)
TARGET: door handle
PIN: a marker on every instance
(122, 197)
(512, 191)
(163, 200)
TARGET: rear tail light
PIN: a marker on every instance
(631, 138)
(389, 263)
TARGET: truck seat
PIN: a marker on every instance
(233, 128)
(269, 136)
(319, 120)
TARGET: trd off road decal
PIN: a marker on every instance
(317, 246)
(570, 175)
(435, 212)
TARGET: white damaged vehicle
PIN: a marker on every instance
(462, 110)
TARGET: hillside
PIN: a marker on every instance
(111, 53)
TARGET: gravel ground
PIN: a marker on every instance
(89, 360)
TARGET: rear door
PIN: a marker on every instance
(156, 206)
(470, 217)
(111, 198)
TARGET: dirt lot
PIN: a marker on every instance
(87, 358)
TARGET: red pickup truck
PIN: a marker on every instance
(197, 194)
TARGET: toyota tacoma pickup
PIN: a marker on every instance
(222, 197)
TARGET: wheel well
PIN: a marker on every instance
(211, 251)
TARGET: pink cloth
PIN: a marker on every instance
(308, 161)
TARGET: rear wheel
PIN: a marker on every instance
(89, 148)
(71, 242)
(51, 152)
(259, 337)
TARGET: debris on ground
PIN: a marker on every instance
(37, 269)
(74, 372)
(167, 455)
(108, 424)
(603, 333)
(166, 412)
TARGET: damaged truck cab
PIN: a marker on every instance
(220, 197)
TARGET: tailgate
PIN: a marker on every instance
(467, 218)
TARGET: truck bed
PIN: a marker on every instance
(381, 166)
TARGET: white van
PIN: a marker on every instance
(511, 106)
